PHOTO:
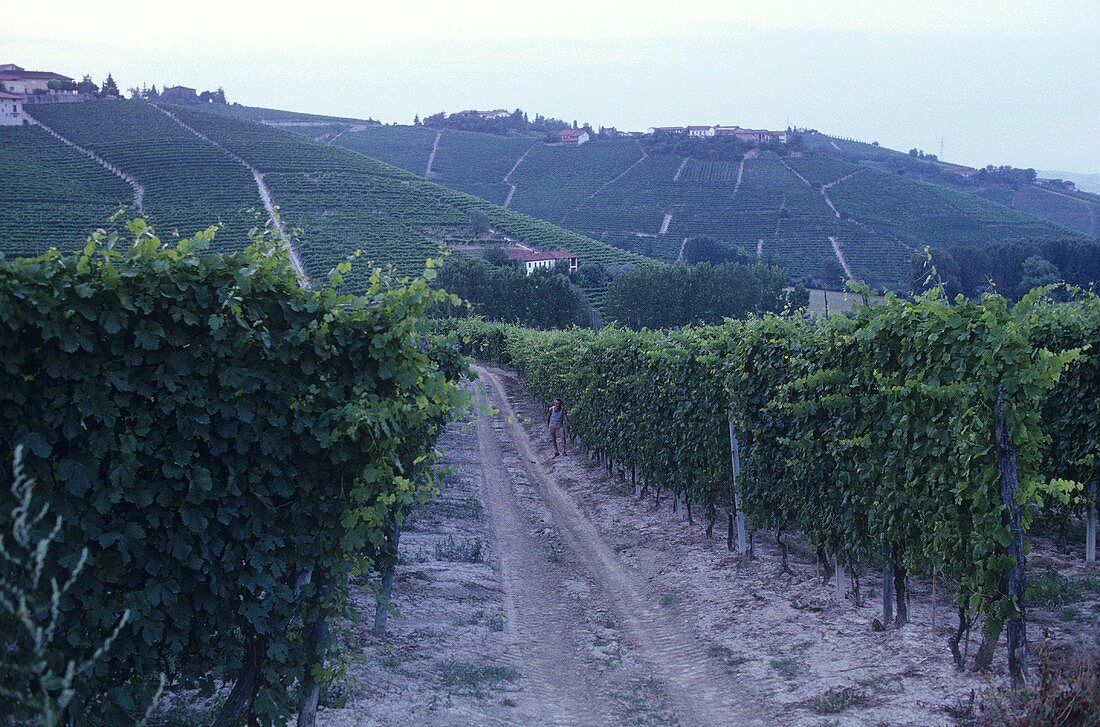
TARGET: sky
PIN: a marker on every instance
(994, 81)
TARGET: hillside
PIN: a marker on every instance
(1078, 211)
(836, 203)
(194, 167)
(38, 172)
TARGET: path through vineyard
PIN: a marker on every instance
(537, 590)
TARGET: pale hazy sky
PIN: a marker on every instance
(1000, 81)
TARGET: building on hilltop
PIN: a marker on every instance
(179, 95)
(665, 130)
(18, 80)
(533, 260)
(700, 131)
(11, 109)
(573, 137)
(494, 114)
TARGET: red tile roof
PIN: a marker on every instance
(530, 256)
(10, 96)
(19, 75)
(571, 133)
(699, 128)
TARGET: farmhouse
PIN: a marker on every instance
(180, 95)
(21, 81)
(533, 260)
(11, 109)
(575, 137)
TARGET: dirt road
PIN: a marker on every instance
(514, 610)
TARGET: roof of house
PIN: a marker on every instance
(530, 256)
(21, 74)
(699, 128)
(571, 133)
(668, 128)
(179, 88)
(10, 96)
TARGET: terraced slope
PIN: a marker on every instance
(407, 147)
(344, 201)
(1074, 211)
(53, 195)
(189, 184)
(807, 213)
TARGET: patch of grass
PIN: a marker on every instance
(787, 667)
(459, 551)
(1068, 613)
(802, 645)
(623, 547)
(496, 622)
(475, 679)
(555, 556)
(671, 599)
(642, 705)
(1051, 589)
(727, 655)
(508, 702)
(839, 699)
(882, 684)
(465, 508)
(605, 620)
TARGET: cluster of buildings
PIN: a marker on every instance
(749, 136)
(494, 114)
(21, 86)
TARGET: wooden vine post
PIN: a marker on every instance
(735, 462)
(1015, 583)
(887, 587)
(1090, 533)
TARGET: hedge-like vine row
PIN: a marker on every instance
(227, 446)
(891, 434)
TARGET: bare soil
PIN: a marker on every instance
(540, 590)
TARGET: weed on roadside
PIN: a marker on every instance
(475, 679)
(727, 655)
(787, 667)
(839, 699)
(459, 551)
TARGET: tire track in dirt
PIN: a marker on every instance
(535, 623)
(697, 689)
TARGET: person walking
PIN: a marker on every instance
(558, 421)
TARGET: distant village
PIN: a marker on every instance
(20, 87)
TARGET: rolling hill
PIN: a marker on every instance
(197, 168)
(801, 212)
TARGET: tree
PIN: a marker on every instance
(705, 249)
(479, 223)
(110, 88)
(416, 120)
(496, 256)
(87, 85)
(1037, 271)
(832, 274)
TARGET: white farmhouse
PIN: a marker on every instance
(11, 109)
(534, 260)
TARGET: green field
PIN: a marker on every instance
(38, 173)
(189, 183)
(339, 201)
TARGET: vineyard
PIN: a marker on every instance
(204, 536)
(189, 184)
(607, 191)
(915, 438)
(38, 172)
(340, 201)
